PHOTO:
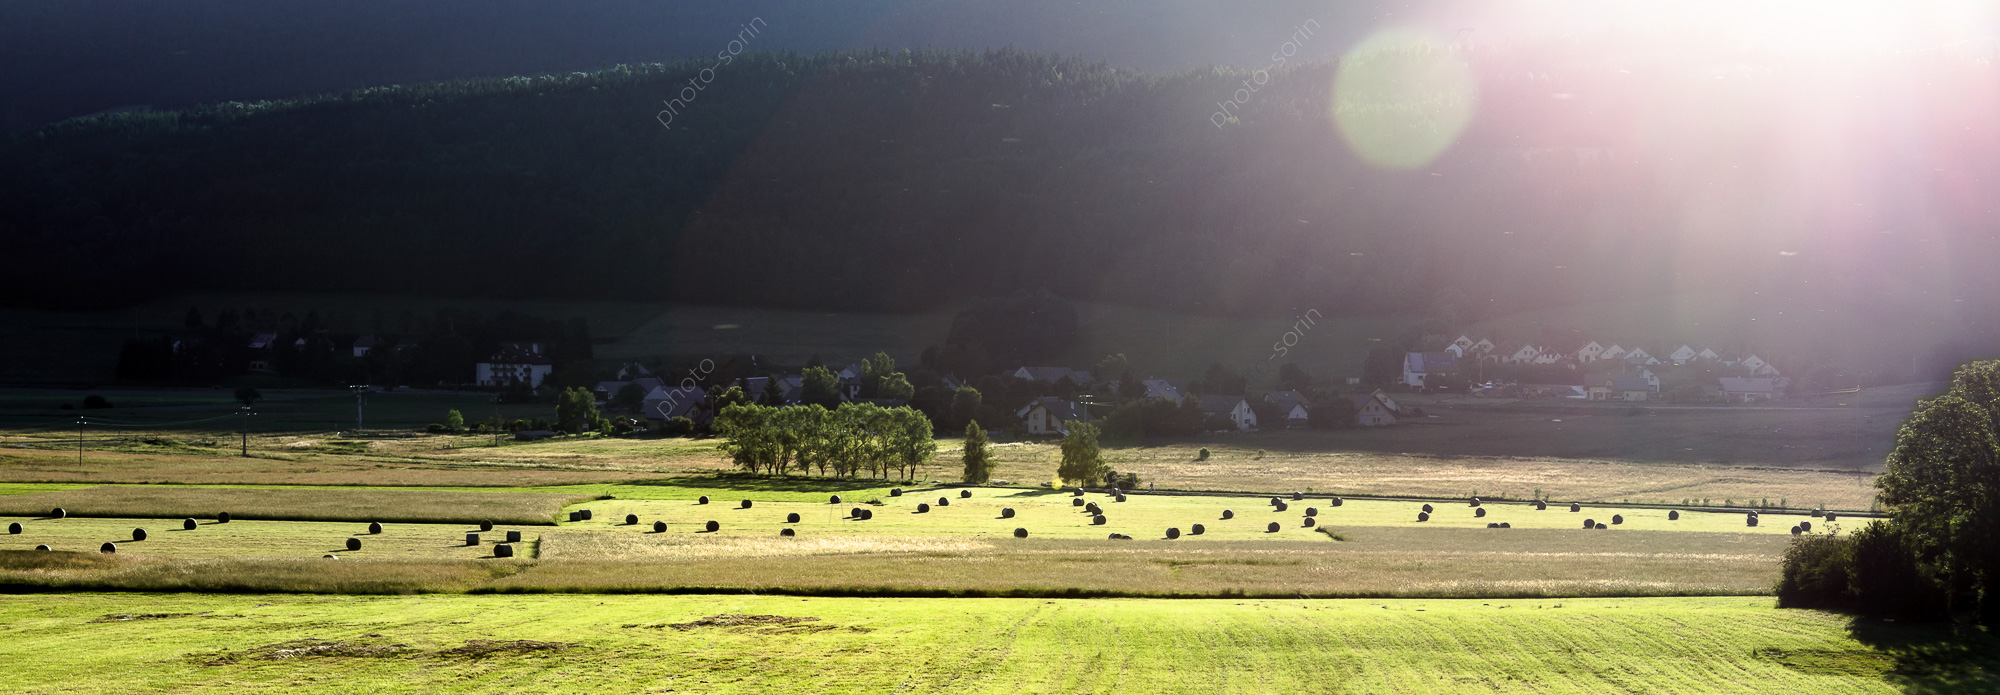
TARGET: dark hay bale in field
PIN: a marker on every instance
(792, 518)
(898, 492)
(575, 517)
(702, 500)
(867, 514)
(1006, 512)
(515, 536)
(1428, 509)
(1076, 493)
(586, 514)
(833, 500)
(1119, 498)
(1541, 506)
(1117, 537)
(1296, 497)
(631, 520)
(712, 526)
(1335, 502)
(488, 525)
(1617, 519)
(1271, 527)
(1480, 512)
(1197, 530)
(659, 527)
(965, 494)
(1817, 513)
(472, 539)
(1097, 520)
(1423, 516)
(1309, 522)
(138, 534)
(1590, 523)
(1275, 501)
(353, 544)
(1020, 533)
(1173, 533)
(1228, 514)
(1504, 524)
(1282, 507)
(1830, 516)
(944, 501)
(222, 518)
(1601, 526)
(14, 529)
(745, 505)
(1490, 524)
(1796, 530)
(1574, 507)
(503, 550)
(1312, 511)
(1093, 508)
(1075, 502)
(329, 556)
(44, 548)
(58, 513)
(854, 513)
(108, 548)
(1673, 515)
(1474, 502)
(787, 532)
(1750, 520)
(189, 524)
(374, 527)
(923, 508)
(1805, 526)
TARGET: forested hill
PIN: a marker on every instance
(899, 180)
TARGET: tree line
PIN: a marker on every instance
(851, 440)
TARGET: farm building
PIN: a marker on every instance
(517, 363)
(1051, 415)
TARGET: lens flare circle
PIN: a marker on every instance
(1401, 97)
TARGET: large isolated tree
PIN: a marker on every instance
(1943, 482)
(576, 410)
(1081, 459)
(978, 455)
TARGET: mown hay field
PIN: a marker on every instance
(168, 538)
(764, 644)
(297, 504)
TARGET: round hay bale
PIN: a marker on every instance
(867, 514)
(1296, 496)
(712, 526)
(1097, 520)
(944, 502)
(965, 494)
(1491, 524)
(1020, 533)
(923, 508)
(1271, 527)
(586, 514)
(898, 492)
(222, 518)
(1589, 524)
(833, 500)
(472, 539)
(1173, 533)
(1617, 519)
(1474, 502)
(1830, 516)
(1541, 506)
(14, 529)
(1423, 516)
(1275, 501)
(1076, 493)
(374, 528)
(1796, 530)
(1574, 507)
(1115, 536)
(1428, 509)
(488, 525)
(1817, 513)
(854, 513)
(792, 518)
(1805, 526)
(1119, 498)
(1282, 506)
(1093, 508)
(58, 513)
(1504, 524)
(108, 548)
(631, 520)
(514, 536)
(702, 500)
(1228, 514)
(138, 534)
(745, 505)
(1753, 512)
(1197, 530)
(1673, 515)
(329, 556)
(1312, 511)
(44, 548)
(1006, 512)
(1335, 502)
(189, 524)
(1750, 520)
(1076, 502)
(353, 544)
(1601, 526)
(575, 517)
(787, 532)
(1480, 512)
(1309, 522)
(503, 550)
(659, 527)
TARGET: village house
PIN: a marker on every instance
(1707, 354)
(516, 363)
(1162, 388)
(1614, 352)
(1051, 415)
(662, 404)
(1234, 408)
(1682, 354)
(1372, 411)
(1751, 389)
(1640, 356)
(1417, 365)
(1589, 352)
(1619, 388)
(1292, 406)
(363, 344)
(1518, 353)
(1758, 367)
(1053, 375)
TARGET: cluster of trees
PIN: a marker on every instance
(847, 441)
(1940, 551)
(415, 350)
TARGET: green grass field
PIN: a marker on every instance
(747, 643)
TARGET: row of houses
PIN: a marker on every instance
(1051, 415)
(1448, 359)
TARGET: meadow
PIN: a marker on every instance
(756, 644)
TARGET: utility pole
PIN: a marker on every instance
(359, 391)
(79, 443)
(243, 418)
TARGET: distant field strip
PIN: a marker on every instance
(743, 643)
(297, 504)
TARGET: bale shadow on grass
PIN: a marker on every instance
(1936, 657)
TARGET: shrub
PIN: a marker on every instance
(1814, 573)
(1201, 455)
(1887, 579)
